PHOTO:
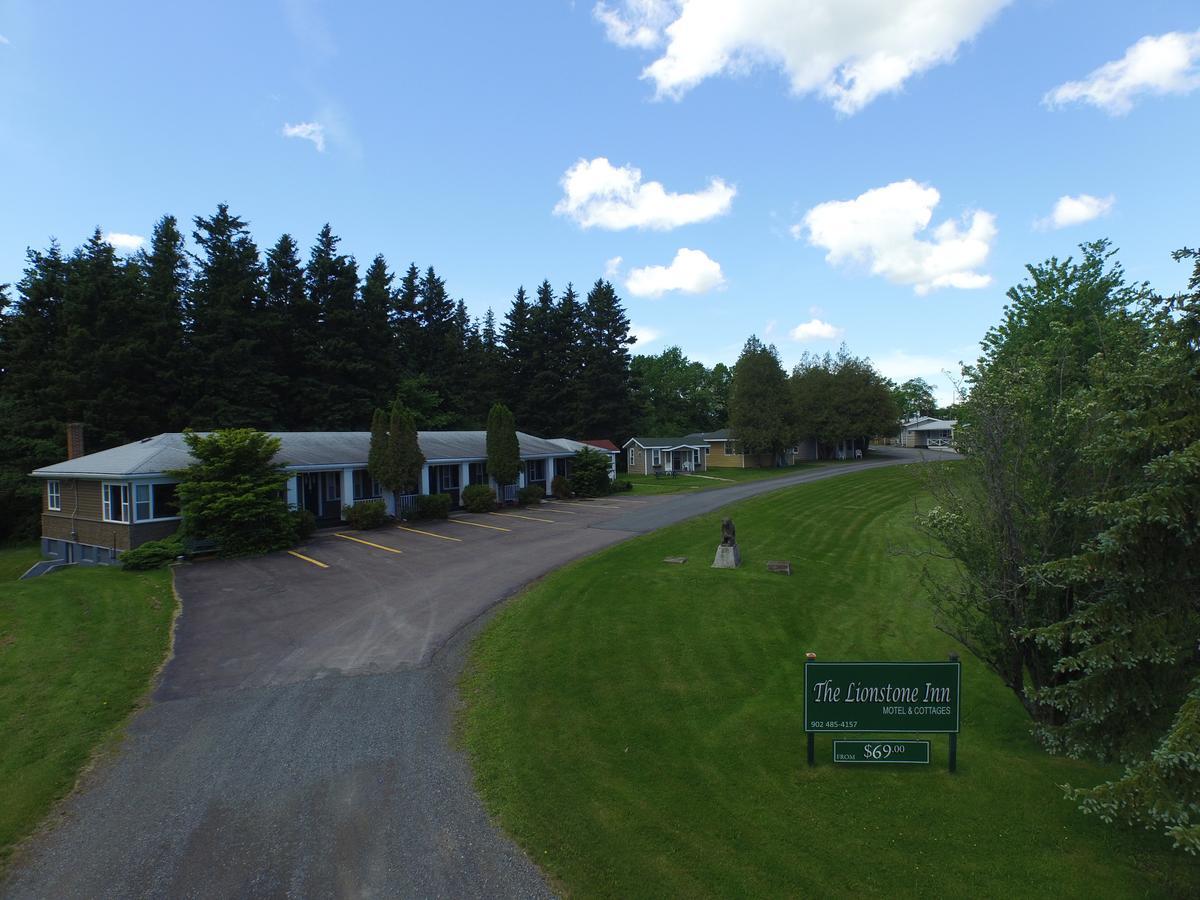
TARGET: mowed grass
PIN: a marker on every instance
(637, 726)
(712, 478)
(77, 650)
(15, 560)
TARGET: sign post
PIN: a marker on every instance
(882, 698)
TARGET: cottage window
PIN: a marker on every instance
(365, 487)
(656, 457)
(141, 502)
(333, 485)
(632, 457)
(729, 451)
(114, 501)
(53, 495)
(695, 457)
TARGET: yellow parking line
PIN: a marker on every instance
(444, 537)
(515, 516)
(346, 537)
(477, 524)
(309, 559)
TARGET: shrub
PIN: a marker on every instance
(304, 522)
(532, 493)
(366, 514)
(153, 554)
(560, 487)
(589, 473)
(479, 498)
(432, 506)
(622, 485)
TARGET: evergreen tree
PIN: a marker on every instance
(606, 389)
(295, 347)
(228, 332)
(503, 449)
(165, 278)
(405, 323)
(348, 377)
(539, 404)
(517, 338)
(379, 459)
(760, 405)
(32, 389)
(404, 459)
(379, 353)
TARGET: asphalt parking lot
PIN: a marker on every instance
(353, 603)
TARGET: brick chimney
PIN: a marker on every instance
(74, 440)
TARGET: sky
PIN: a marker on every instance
(874, 172)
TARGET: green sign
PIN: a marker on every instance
(903, 752)
(882, 696)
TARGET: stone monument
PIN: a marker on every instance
(728, 555)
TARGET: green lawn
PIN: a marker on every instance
(637, 726)
(710, 479)
(15, 560)
(77, 651)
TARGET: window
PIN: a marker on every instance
(333, 485)
(166, 504)
(365, 487)
(53, 495)
(535, 470)
(141, 502)
(729, 450)
(695, 457)
(114, 502)
(656, 457)
(477, 473)
(632, 457)
(447, 478)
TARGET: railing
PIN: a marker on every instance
(938, 442)
(507, 493)
(406, 506)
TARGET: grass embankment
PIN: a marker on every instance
(712, 478)
(637, 726)
(15, 560)
(77, 650)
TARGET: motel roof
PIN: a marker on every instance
(162, 453)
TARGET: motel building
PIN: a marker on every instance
(96, 505)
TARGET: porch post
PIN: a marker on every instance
(347, 489)
(293, 492)
(425, 479)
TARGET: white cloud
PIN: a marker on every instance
(5, 41)
(847, 51)
(815, 330)
(612, 268)
(639, 26)
(598, 194)
(880, 229)
(1076, 210)
(1166, 64)
(127, 243)
(644, 334)
(691, 272)
(308, 131)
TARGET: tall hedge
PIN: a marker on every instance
(503, 451)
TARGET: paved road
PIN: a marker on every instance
(300, 740)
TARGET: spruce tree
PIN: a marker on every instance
(295, 350)
(606, 392)
(405, 323)
(517, 340)
(228, 331)
(379, 459)
(333, 287)
(378, 353)
(165, 277)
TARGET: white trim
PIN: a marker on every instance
(106, 502)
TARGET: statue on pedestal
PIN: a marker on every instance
(728, 555)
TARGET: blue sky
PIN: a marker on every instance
(801, 148)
